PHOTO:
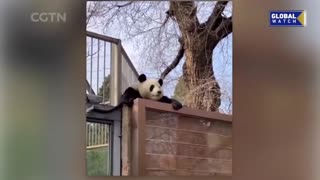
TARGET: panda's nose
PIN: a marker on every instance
(159, 92)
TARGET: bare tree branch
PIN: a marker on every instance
(174, 63)
(218, 9)
(123, 5)
(225, 28)
(216, 18)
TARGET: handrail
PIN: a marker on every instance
(103, 37)
(117, 42)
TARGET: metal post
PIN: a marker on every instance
(104, 73)
(98, 66)
(116, 152)
(91, 62)
(115, 73)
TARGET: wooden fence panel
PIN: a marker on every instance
(188, 142)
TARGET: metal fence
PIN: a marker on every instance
(109, 73)
(109, 69)
(99, 162)
(97, 135)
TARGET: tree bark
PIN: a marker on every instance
(199, 41)
(203, 89)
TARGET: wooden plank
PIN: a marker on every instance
(199, 138)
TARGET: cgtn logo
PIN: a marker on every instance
(288, 18)
(48, 17)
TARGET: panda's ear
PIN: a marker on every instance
(142, 78)
(160, 82)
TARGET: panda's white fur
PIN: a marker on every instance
(150, 89)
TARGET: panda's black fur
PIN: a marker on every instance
(146, 89)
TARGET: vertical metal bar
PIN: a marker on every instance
(86, 134)
(98, 66)
(116, 145)
(107, 134)
(102, 134)
(89, 134)
(95, 134)
(92, 138)
(97, 138)
(91, 59)
(109, 150)
(99, 134)
(115, 81)
(104, 72)
(88, 131)
(92, 126)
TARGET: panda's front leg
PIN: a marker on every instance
(129, 96)
(176, 105)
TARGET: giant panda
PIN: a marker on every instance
(146, 89)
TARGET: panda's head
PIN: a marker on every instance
(150, 88)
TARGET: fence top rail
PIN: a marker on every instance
(154, 105)
(103, 37)
(117, 42)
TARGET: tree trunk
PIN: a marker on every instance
(203, 89)
(199, 41)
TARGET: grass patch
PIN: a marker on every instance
(98, 162)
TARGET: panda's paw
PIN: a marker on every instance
(176, 105)
(130, 103)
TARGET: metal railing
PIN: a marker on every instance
(97, 135)
(98, 151)
(109, 73)
(109, 69)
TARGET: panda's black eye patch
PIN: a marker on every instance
(151, 88)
